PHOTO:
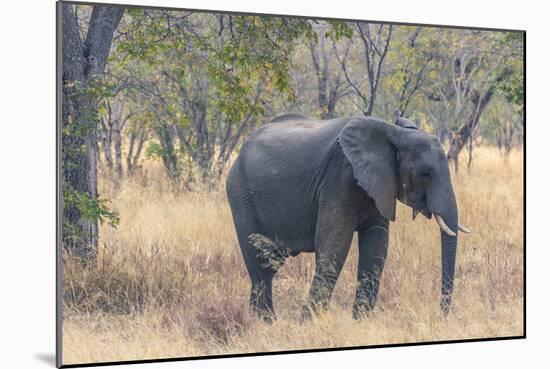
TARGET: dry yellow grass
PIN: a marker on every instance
(171, 282)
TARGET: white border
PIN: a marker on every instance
(27, 184)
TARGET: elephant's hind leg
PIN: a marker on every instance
(260, 269)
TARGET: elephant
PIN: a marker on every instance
(304, 185)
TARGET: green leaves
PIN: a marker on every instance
(155, 150)
(201, 77)
(512, 86)
(91, 209)
(339, 30)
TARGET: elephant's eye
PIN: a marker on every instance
(425, 176)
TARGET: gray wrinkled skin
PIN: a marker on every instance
(302, 185)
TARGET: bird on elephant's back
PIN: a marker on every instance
(303, 185)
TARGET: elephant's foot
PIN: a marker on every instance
(361, 312)
(264, 314)
(261, 307)
(268, 318)
(261, 301)
(445, 304)
(362, 308)
(310, 310)
(306, 314)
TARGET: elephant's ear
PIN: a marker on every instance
(366, 145)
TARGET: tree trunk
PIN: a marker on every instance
(81, 62)
(460, 136)
(506, 135)
(117, 141)
(470, 152)
(106, 143)
(168, 153)
(129, 164)
(321, 73)
(132, 157)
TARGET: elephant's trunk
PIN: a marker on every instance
(448, 257)
(442, 203)
(448, 253)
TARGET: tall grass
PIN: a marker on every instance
(170, 281)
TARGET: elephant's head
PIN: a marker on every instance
(401, 162)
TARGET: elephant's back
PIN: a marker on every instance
(300, 137)
(284, 157)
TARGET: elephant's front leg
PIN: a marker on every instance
(373, 249)
(332, 242)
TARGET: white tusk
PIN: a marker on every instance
(443, 226)
(463, 229)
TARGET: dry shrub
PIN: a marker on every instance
(221, 320)
(109, 288)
